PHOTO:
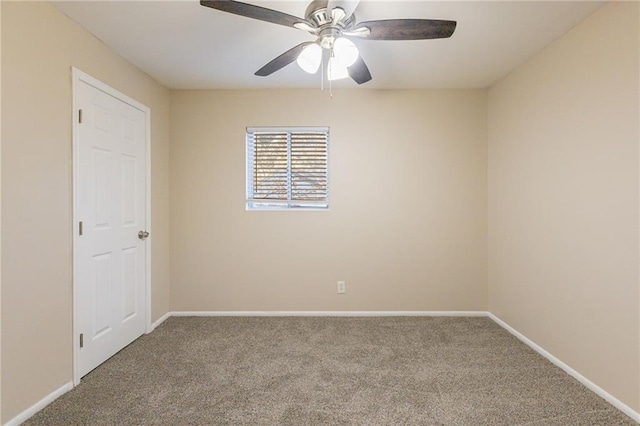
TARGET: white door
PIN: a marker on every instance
(110, 256)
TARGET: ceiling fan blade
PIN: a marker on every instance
(252, 11)
(407, 29)
(359, 71)
(349, 6)
(283, 60)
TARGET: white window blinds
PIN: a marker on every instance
(287, 168)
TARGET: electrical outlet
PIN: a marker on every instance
(342, 287)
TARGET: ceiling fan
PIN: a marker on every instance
(333, 23)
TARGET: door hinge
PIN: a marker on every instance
(80, 116)
(80, 228)
(81, 340)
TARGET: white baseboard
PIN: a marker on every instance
(26, 414)
(160, 321)
(328, 314)
(573, 373)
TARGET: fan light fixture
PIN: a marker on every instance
(335, 70)
(343, 54)
(310, 58)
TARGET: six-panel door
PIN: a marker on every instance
(111, 194)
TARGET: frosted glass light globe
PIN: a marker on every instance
(335, 70)
(310, 57)
(345, 51)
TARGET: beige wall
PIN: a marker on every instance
(39, 46)
(406, 224)
(0, 216)
(563, 199)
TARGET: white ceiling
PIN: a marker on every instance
(184, 45)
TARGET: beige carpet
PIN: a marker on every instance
(329, 371)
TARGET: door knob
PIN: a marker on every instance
(143, 234)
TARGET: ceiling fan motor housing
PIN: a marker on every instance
(322, 16)
(318, 13)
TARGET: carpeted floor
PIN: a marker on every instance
(329, 371)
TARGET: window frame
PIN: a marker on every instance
(253, 204)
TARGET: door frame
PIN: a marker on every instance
(78, 77)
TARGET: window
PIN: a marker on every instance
(287, 168)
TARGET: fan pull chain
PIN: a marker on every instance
(322, 73)
(330, 83)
